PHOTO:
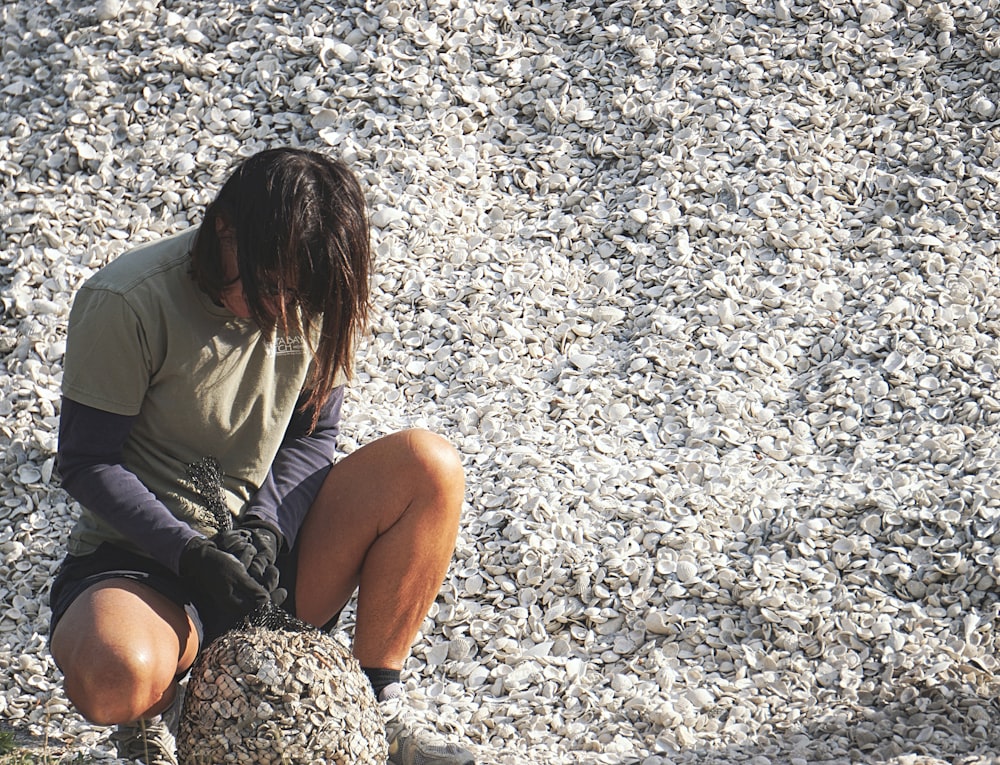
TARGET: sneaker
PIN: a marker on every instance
(410, 743)
(145, 741)
(171, 716)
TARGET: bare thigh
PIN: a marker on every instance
(384, 522)
(120, 646)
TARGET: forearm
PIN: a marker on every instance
(298, 471)
(283, 501)
(119, 498)
(93, 473)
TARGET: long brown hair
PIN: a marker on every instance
(304, 255)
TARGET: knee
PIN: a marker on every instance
(113, 688)
(438, 465)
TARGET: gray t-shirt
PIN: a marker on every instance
(145, 341)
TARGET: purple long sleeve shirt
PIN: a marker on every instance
(93, 472)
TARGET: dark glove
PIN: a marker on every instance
(224, 581)
(256, 546)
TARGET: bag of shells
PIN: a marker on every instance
(203, 383)
(276, 690)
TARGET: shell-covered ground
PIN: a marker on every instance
(705, 292)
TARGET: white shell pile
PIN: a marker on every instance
(706, 292)
(264, 696)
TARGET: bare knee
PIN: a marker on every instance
(120, 645)
(112, 687)
(113, 684)
(438, 466)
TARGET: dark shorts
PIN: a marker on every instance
(79, 573)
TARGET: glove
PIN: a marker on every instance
(256, 546)
(224, 581)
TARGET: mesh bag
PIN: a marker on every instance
(275, 690)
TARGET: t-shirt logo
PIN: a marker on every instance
(289, 346)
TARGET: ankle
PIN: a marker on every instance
(381, 678)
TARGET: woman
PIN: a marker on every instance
(205, 373)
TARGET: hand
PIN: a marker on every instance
(256, 546)
(233, 593)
